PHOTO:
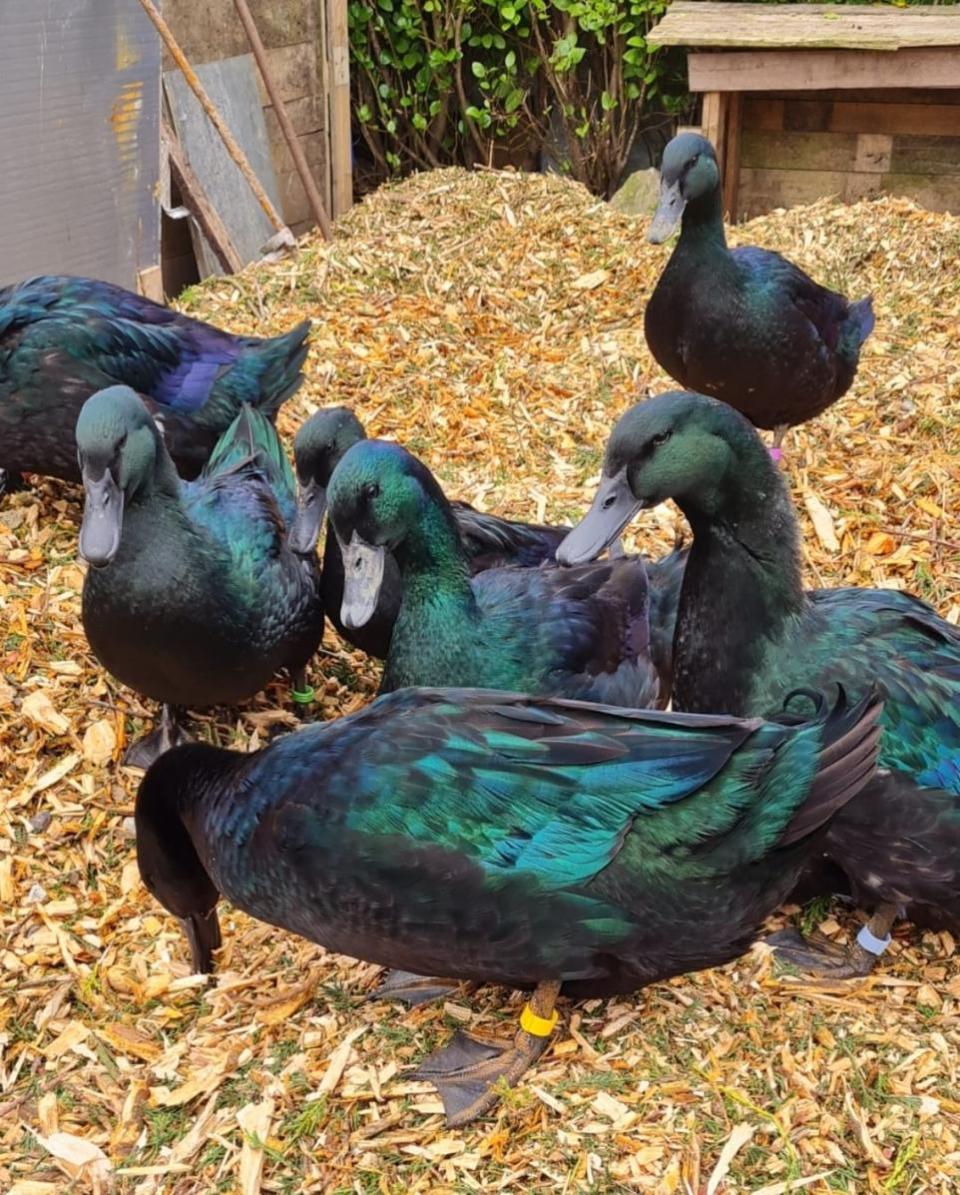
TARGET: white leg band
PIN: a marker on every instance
(871, 943)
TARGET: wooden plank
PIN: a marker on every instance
(822, 26)
(232, 87)
(893, 119)
(874, 95)
(338, 75)
(925, 155)
(150, 283)
(713, 120)
(802, 70)
(938, 194)
(762, 113)
(798, 151)
(195, 198)
(731, 160)
(763, 190)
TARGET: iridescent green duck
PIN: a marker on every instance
(580, 633)
(193, 596)
(499, 838)
(747, 633)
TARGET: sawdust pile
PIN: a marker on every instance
(493, 323)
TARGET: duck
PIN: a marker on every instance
(535, 843)
(581, 634)
(488, 541)
(747, 632)
(193, 596)
(64, 338)
(744, 325)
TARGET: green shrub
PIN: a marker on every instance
(480, 81)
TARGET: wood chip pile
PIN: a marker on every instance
(492, 323)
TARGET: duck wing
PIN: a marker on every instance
(481, 830)
(246, 495)
(586, 626)
(899, 642)
(181, 363)
(832, 316)
(492, 542)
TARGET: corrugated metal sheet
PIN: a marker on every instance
(79, 139)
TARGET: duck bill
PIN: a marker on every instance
(202, 931)
(668, 213)
(311, 507)
(613, 507)
(102, 519)
(363, 566)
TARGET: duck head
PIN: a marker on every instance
(117, 446)
(319, 446)
(677, 445)
(379, 496)
(688, 172)
(171, 792)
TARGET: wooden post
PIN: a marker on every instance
(338, 85)
(714, 119)
(730, 165)
(280, 111)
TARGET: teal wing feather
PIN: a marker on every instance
(245, 497)
(552, 790)
(897, 641)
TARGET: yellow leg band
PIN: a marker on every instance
(538, 1026)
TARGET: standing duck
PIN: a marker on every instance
(488, 541)
(494, 837)
(193, 596)
(747, 634)
(581, 633)
(744, 325)
(62, 339)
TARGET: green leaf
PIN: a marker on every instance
(607, 101)
(479, 70)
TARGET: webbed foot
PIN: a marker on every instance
(412, 989)
(468, 1071)
(818, 956)
(169, 733)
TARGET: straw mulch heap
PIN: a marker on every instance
(493, 323)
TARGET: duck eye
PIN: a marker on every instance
(371, 489)
(660, 438)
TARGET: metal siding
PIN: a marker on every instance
(79, 139)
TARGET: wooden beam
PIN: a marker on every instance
(821, 26)
(731, 159)
(338, 75)
(195, 198)
(805, 70)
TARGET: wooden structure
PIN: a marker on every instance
(807, 100)
(305, 46)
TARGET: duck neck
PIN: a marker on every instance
(742, 594)
(701, 227)
(436, 573)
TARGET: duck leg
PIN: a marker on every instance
(303, 694)
(412, 989)
(170, 733)
(467, 1073)
(825, 960)
(776, 450)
